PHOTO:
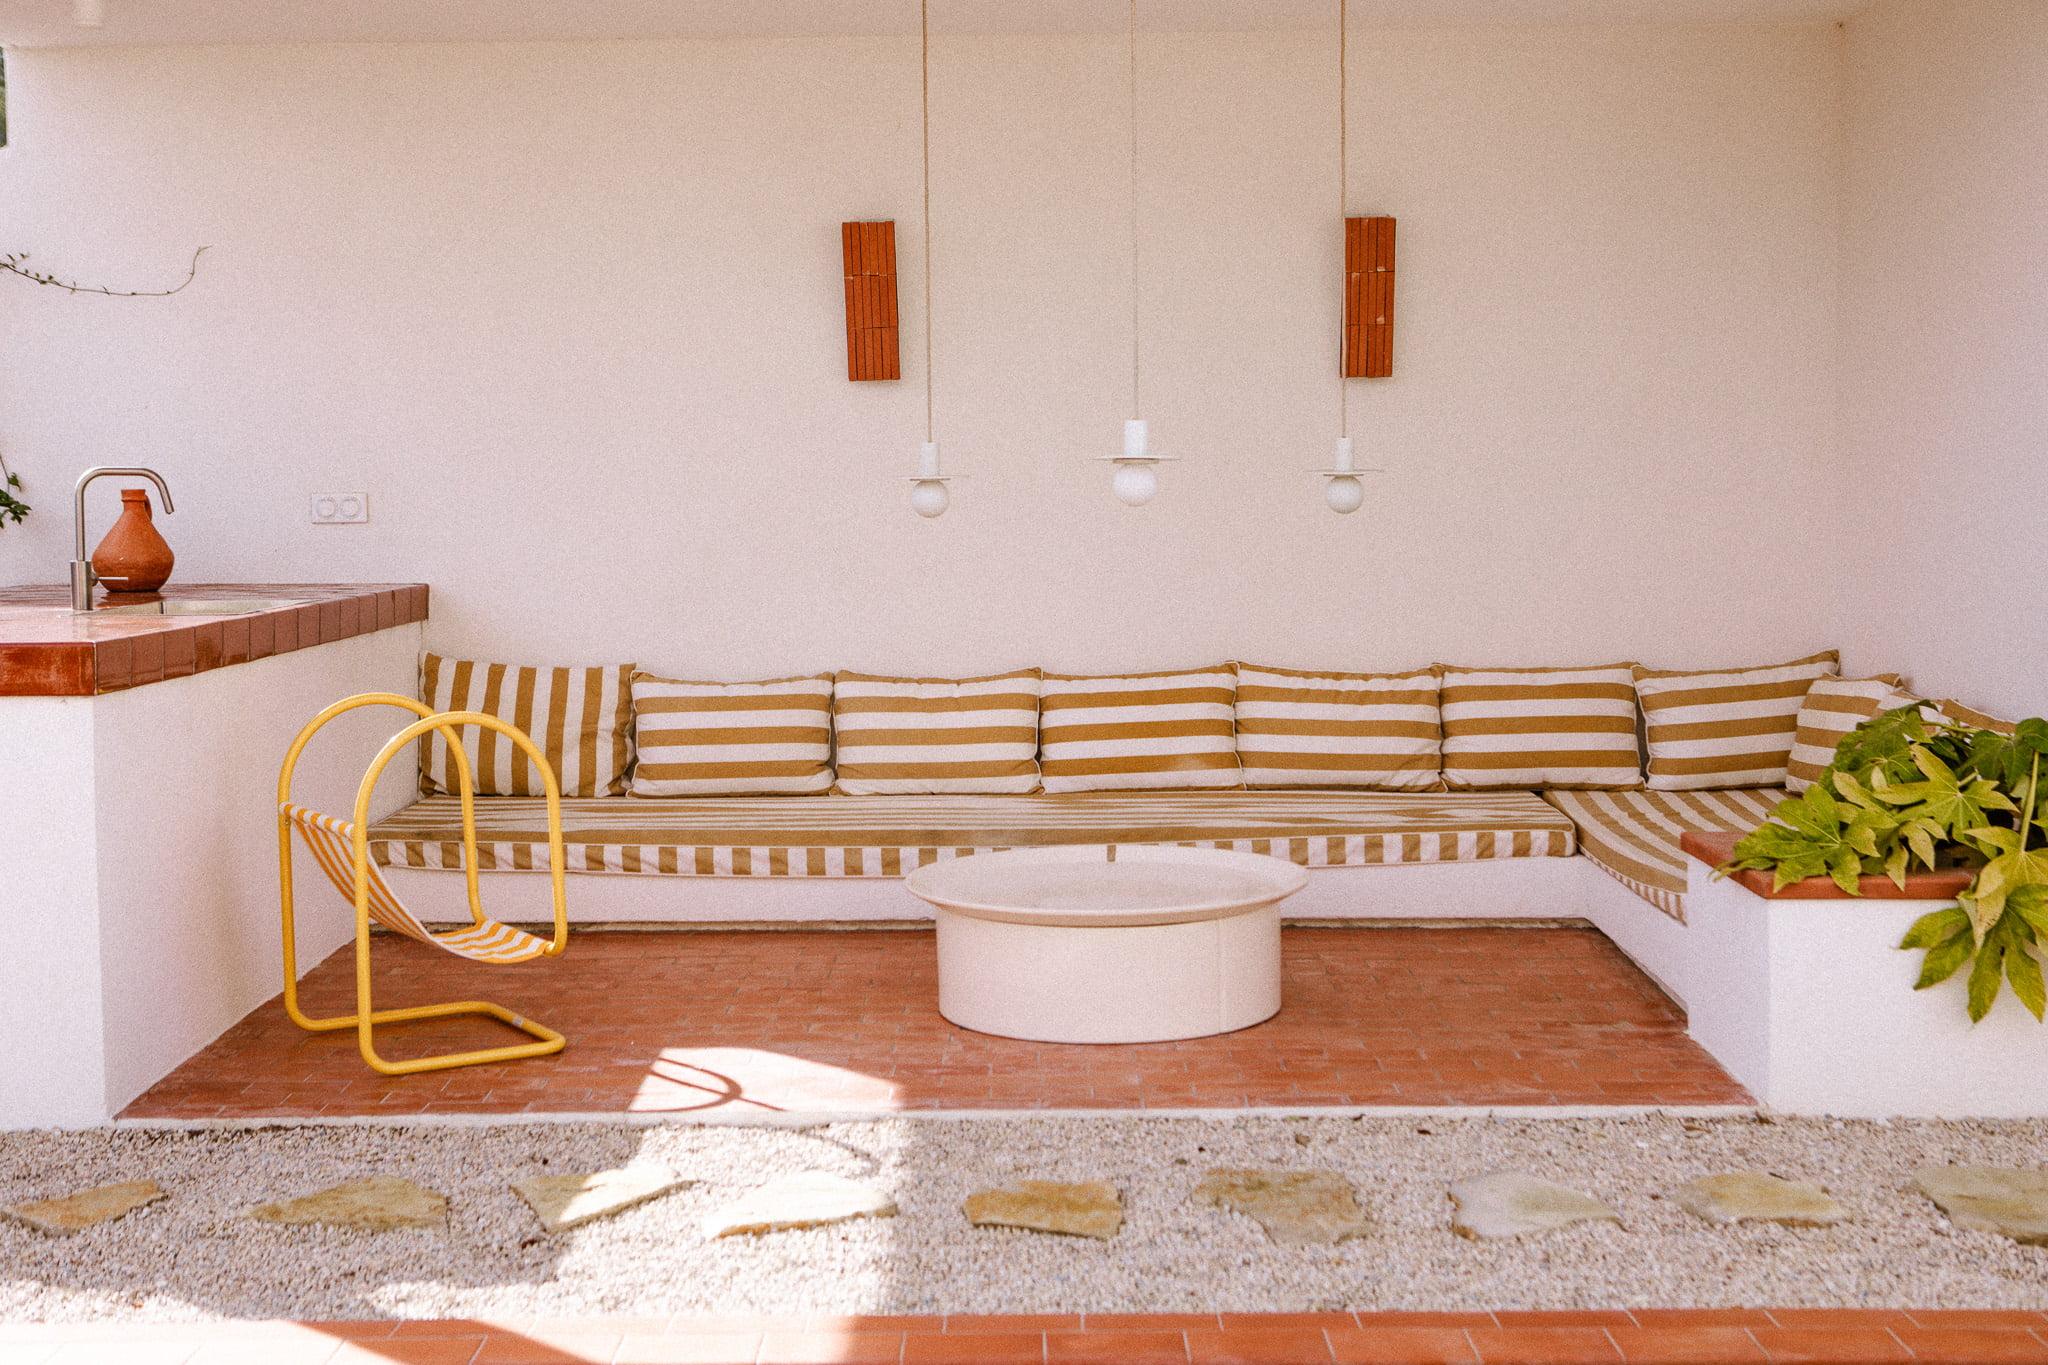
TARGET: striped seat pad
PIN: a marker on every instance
(332, 844)
(1633, 836)
(887, 836)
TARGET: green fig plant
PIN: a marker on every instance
(1911, 787)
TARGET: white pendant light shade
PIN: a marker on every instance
(928, 496)
(1342, 489)
(1137, 477)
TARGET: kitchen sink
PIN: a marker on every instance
(240, 606)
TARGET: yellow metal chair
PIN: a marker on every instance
(342, 849)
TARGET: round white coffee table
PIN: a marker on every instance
(1064, 945)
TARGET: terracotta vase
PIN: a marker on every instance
(133, 557)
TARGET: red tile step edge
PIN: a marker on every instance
(1682, 1336)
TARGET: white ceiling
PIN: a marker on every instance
(45, 23)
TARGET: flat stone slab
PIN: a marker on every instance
(808, 1199)
(2010, 1201)
(1296, 1208)
(562, 1202)
(1087, 1208)
(87, 1208)
(1517, 1204)
(1758, 1196)
(381, 1203)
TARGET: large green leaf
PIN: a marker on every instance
(1943, 960)
(2024, 972)
(1955, 803)
(1985, 975)
(2012, 868)
(1936, 927)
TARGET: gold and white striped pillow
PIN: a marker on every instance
(1539, 727)
(579, 717)
(1958, 714)
(923, 735)
(1728, 727)
(732, 739)
(1138, 731)
(1833, 708)
(1380, 730)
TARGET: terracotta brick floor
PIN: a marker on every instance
(759, 1022)
(1663, 1336)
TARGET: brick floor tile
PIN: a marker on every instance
(965, 1348)
(1569, 1317)
(1543, 1345)
(1685, 1345)
(810, 1347)
(1259, 1346)
(1973, 1344)
(689, 1348)
(549, 1348)
(1401, 1346)
(1702, 1317)
(1424, 1318)
(1978, 1317)
(846, 1021)
(1863, 1345)
(1127, 1347)
(410, 1351)
(1012, 1322)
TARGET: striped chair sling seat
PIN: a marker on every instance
(331, 843)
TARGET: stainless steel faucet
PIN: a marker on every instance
(82, 576)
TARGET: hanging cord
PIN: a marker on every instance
(924, 31)
(1136, 409)
(1343, 188)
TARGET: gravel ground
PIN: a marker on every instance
(195, 1257)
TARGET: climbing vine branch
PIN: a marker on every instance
(17, 264)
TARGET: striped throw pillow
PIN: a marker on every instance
(732, 739)
(1833, 708)
(920, 735)
(1539, 727)
(1955, 713)
(1138, 731)
(579, 717)
(1729, 727)
(1380, 730)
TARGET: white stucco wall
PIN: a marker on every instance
(1945, 344)
(570, 313)
(142, 914)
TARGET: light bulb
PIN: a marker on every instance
(1344, 493)
(1134, 484)
(928, 497)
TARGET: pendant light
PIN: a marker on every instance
(928, 496)
(1137, 477)
(1341, 487)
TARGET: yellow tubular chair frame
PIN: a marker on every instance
(366, 1017)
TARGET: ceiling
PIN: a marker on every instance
(50, 23)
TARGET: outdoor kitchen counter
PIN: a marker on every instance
(138, 816)
(47, 650)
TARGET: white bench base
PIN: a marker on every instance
(1811, 1006)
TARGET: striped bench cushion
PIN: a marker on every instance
(1633, 836)
(581, 718)
(1540, 727)
(902, 736)
(1833, 708)
(887, 836)
(1138, 731)
(1727, 728)
(706, 738)
(1298, 729)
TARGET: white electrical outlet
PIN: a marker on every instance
(340, 509)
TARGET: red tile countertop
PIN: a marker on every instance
(46, 650)
(1718, 848)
